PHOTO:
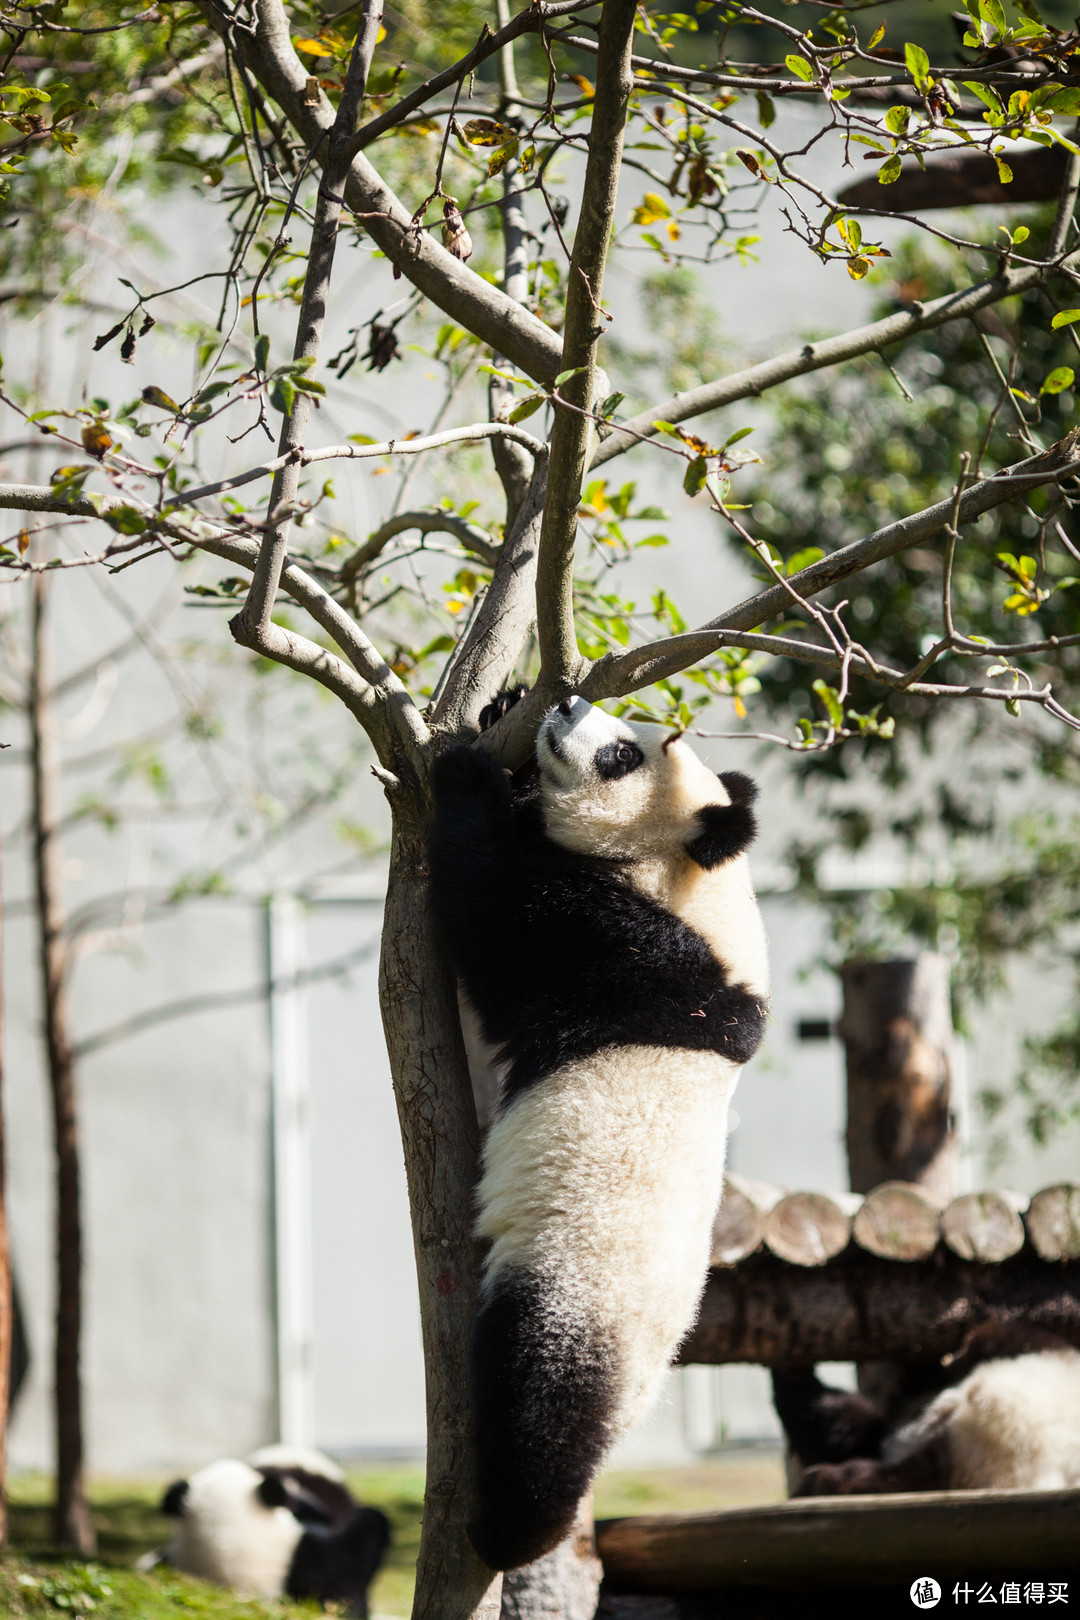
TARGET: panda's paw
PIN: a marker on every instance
(468, 771)
(501, 704)
(859, 1476)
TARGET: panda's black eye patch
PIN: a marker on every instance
(618, 759)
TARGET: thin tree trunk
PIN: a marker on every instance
(897, 1031)
(73, 1526)
(441, 1141)
(6, 1308)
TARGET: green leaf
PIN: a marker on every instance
(897, 120)
(890, 170)
(526, 407)
(696, 474)
(766, 110)
(157, 396)
(743, 433)
(125, 520)
(1059, 379)
(831, 700)
(1005, 174)
(1065, 317)
(986, 93)
(993, 12)
(565, 376)
(918, 64)
(262, 351)
(800, 67)
(282, 395)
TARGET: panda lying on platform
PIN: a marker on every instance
(1011, 1423)
(282, 1524)
(607, 937)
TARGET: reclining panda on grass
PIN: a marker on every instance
(605, 931)
(282, 1524)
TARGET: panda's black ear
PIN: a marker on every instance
(272, 1491)
(172, 1503)
(726, 830)
(741, 789)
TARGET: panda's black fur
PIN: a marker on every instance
(1004, 1412)
(559, 954)
(583, 974)
(280, 1528)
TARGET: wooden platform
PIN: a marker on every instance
(850, 1541)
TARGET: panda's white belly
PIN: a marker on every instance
(604, 1178)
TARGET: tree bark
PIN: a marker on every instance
(897, 1029)
(808, 1544)
(6, 1305)
(564, 1584)
(441, 1141)
(72, 1525)
(863, 1308)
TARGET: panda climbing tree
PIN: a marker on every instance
(417, 623)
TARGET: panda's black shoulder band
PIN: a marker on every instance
(726, 830)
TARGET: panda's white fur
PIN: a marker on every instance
(228, 1535)
(603, 1167)
(1011, 1425)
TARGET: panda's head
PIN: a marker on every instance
(626, 791)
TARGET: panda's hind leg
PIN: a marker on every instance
(544, 1399)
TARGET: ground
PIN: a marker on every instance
(35, 1581)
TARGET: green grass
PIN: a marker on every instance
(37, 1581)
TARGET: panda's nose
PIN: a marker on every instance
(565, 707)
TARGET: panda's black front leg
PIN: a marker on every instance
(473, 858)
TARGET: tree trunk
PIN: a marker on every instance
(73, 1526)
(441, 1141)
(6, 1306)
(897, 1031)
(564, 1584)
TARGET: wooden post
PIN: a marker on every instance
(897, 1030)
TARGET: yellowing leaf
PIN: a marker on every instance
(1065, 317)
(587, 88)
(1059, 379)
(876, 37)
(857, 268)
(486, 132)
(1005, 174)
(650, 209)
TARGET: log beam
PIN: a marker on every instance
(848, 1541)
(863, 1308)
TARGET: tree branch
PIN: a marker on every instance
(754, 380)
(560, 660)
(488, 652)
(619, 673)
(364, 452)
(253, 621)
(451, 285)
(470, 535)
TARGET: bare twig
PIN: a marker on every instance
(559, 657)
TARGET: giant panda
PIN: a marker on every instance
(1008, 1418)
(607, 938)
(282, 1524)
